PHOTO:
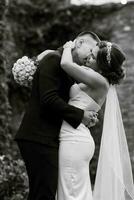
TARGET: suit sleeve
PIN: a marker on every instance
(49, 83)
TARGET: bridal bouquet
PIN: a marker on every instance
(23, 71)
(24, 68)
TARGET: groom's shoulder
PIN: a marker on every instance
(53, 56)
(54, 53)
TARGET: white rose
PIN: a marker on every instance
(15, 64)
(16, 75)
(21, 73)
(28, 68)
(18, 67)
(22, 77)
(31, 62)
(27, 74)
(32, 72)
(30, 78)
(19, 61)
(2, 157)
(13, 70)
(17, 70)
(22, 66)
(27, 62)
(25, 58)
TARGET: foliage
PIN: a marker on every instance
(13, 179)
(5, 109)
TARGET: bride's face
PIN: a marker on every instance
(90, 61)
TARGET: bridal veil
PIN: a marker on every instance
(114, 180)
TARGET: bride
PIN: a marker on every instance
(96, 80)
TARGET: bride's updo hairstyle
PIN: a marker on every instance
(110, 59)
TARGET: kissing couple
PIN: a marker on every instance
(69, 87)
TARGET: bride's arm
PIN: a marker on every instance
(80, 73)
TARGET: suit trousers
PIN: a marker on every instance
(41, 163)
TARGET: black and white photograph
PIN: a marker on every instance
(67, 100)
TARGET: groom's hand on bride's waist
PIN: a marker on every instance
(90, 118)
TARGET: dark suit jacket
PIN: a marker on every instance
(48, 106)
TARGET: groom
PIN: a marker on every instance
(38, 134)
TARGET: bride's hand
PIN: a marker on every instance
(69, 44)
(90, 118)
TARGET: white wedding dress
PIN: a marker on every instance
(75, 152)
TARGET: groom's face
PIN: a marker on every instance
(85, 46)
(91, 60)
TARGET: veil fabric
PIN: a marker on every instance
(114, 180)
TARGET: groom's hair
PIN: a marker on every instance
(92, 34)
